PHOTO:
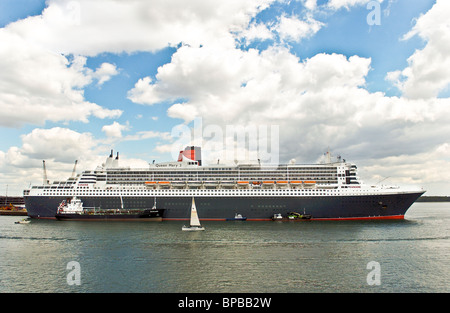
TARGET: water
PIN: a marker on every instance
(262, 257)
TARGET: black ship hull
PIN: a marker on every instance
(382, 206)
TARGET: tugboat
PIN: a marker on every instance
(298, 216)
(74, 210)
(292, 216)
(237, 217)
(277, 217)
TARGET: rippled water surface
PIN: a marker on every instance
(314, 256)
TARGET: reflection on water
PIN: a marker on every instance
(314, 256)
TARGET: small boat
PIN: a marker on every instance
(227, 184)
(178, 184)
(292, 216)
(23, 221)
(237, 217)
(195, 183)
(151, 184)
(309, 183)
(243, 184)
(194, 224)
(211, 183)
(277, 217)
(298, 216)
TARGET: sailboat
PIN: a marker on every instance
(195, 222)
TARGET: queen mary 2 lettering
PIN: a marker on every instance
(330, 190)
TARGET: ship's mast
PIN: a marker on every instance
(74, 169)
(328, 156)
(45, 180)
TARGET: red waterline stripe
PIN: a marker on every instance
(214, 219)
(390, 217)
(259, 219)
(188, 219)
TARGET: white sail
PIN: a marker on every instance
(194, 222)
(194, 216)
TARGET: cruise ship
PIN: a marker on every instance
(330, 190)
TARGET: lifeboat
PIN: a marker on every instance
(195, 183)
(164, 184)
(268, 183)
(227, 183)
(243, 184)
(282, 184)
(178, 184)
(309, 183)
(150, 184)
(211, 183)
(295, 182)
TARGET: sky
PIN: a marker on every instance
(368, 80)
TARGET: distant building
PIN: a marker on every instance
(15, 201)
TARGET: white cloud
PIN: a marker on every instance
(310, 4)
(256, 32)
(49, 86)
(144, 92)
(192, 70)
(428, 168)
(428, 71)
(185, 111)
(44, 85)
(230, 80)
(317, 102)
(115, 129)
(59, 144)
(59, 147)
(347, 4)
(88, 27)
(105, 72)
(141, 135)
(294, 29)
